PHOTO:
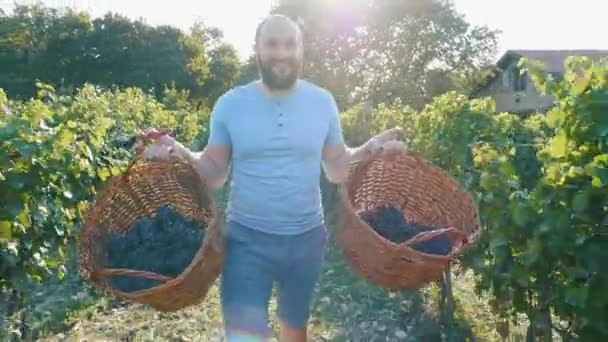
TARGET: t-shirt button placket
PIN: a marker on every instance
(281, 125)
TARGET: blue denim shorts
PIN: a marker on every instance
(254, 262)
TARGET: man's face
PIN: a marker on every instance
(279, 54)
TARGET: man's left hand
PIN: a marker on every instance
(387, 144)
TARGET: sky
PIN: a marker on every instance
(525, 24)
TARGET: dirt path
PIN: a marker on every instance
(345, 309)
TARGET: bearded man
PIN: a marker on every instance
(274, 135)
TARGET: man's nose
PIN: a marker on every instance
(283, 51)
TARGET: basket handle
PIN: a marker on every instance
(432, 234)
(147, 136)
(138, 145)
(113, 272)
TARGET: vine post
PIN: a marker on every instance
(447, 302)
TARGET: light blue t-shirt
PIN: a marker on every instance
(276, 153)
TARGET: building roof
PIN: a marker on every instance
(553, 60)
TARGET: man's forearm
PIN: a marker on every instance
(215, 175)
(338, 169)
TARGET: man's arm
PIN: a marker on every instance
(212, 163)
(337, 160)
(338, 157)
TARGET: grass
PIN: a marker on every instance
(55, 304)
(348, 308)
(345, 308)
(474, 314)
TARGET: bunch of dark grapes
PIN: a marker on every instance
(164, 244)
(390, 223)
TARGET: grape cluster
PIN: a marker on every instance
(390, 223)
(164, 244)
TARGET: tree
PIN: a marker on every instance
(248, 71)
(223, 65)
(68, 50)
(379, 51)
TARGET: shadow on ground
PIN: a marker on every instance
(348, 308)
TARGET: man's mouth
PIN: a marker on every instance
(281, 67)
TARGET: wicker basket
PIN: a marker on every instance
(147, 185)
(427, 196)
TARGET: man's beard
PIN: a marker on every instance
(279, 82)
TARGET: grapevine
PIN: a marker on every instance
(55, 153)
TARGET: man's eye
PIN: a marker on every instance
(271, 43)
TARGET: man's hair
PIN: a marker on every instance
(283, 17)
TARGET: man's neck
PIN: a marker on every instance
(277, 92)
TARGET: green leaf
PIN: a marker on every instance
(65, 138)
(86, 150)
(43, 210)
(16, 181)
(103, 174)
(12, 248)
(5, 230)
(10, 261)
(601, 176)
(559, 146)
(532, 254)
(15, 207)
(576, 171)
(24, 217)
(507, 169)
(488, 181)
(580, 240)
(520, 276)
(580, 85)
(576, 296)
(19, 281)
(25, 149)
(581, 201)
(52, 263)
(115, 170)
(68, 194)
(61, 272)
(498, 241)
(555, 118)
(553, 172)
(601, 127)
(545, 227)
(521, 215)
(61, 253)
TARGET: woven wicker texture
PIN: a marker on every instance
(147, 185)
(426, 196)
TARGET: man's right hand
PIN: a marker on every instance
(164, 147)
(158, 151)
(211, 164)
